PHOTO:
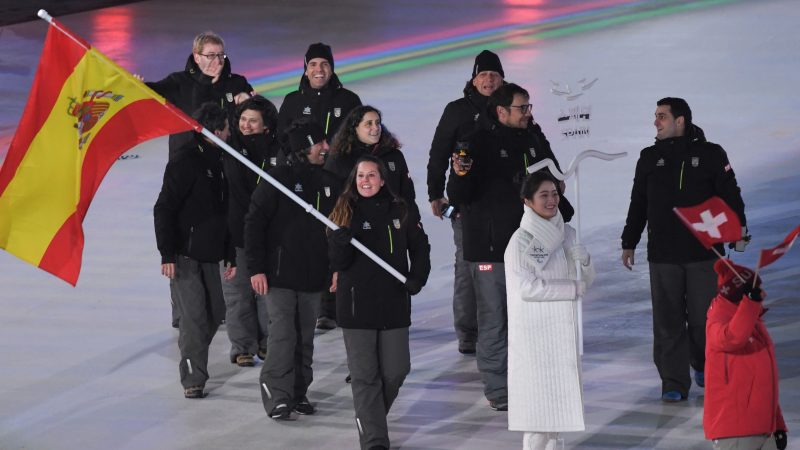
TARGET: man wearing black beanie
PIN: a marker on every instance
(287, 253)
(459, 120)
(320, 94)
(322, 98)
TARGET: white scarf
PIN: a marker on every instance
(547, 235)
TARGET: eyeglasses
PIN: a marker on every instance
(213, 56)
(522, 108)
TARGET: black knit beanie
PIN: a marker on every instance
(318, 50)
(486, 60)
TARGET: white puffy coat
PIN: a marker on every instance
(544, 373)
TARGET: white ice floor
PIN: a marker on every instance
(95, 367)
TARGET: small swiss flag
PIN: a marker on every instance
(711, 222)
(770, 255)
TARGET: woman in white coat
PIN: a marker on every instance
(545, 394)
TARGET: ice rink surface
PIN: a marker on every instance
(95, 366)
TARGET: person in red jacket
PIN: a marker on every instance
(741, 392)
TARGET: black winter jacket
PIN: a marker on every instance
(263, 151)
(191, 88)
(281, 239)
(327, 106)
(399, 177)
(676, 172)
(460, 119)
(489, 194)
(367, 296)
(190, 213)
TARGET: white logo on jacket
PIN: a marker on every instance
(391, 165)
(695, 161)
(298, 187)
(538, 253)
(396, 223)
(327, 191)
(337, 112)
(307, 111)
(210, 173)
(660, 162)
(366, 226)
(503, 153)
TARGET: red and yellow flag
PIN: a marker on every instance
(83, 112)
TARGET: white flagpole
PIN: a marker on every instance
(307, 207)
(573, 169)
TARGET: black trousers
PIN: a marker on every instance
(681, 296)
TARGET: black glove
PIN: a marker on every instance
(341, 237)
(781, 440)
(754, 294)
(413, 286)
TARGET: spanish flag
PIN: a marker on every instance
(82, 113)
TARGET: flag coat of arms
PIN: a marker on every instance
(82, 113)
(711, 222)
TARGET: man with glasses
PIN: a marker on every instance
(207, 77)
(488, 192)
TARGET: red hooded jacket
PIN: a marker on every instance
(741, 392)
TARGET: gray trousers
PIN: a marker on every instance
(286, 374)
(242, 316)
(759, 442)
(681, 296)
(465, 308)
(199, 299)
(492, 346)
(379, 361)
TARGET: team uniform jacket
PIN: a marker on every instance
(676, 172)
(741, 392)
(263, 151)
(191, 88)
(367, 296)
(190, 213)
(459, 121)
(327, 106)
(282, 240)
(489, 194)
(399, 179)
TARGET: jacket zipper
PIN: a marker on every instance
(280, 254)
(258, 180)
(680, 181)
(191, 233)
(391, 243)
(353, 301)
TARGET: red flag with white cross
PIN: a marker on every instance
(770, 255)
(711, 222)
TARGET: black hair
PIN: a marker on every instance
(269, 113)
(211, 116)
(677, 107)
(533, 181)
(504, 96)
